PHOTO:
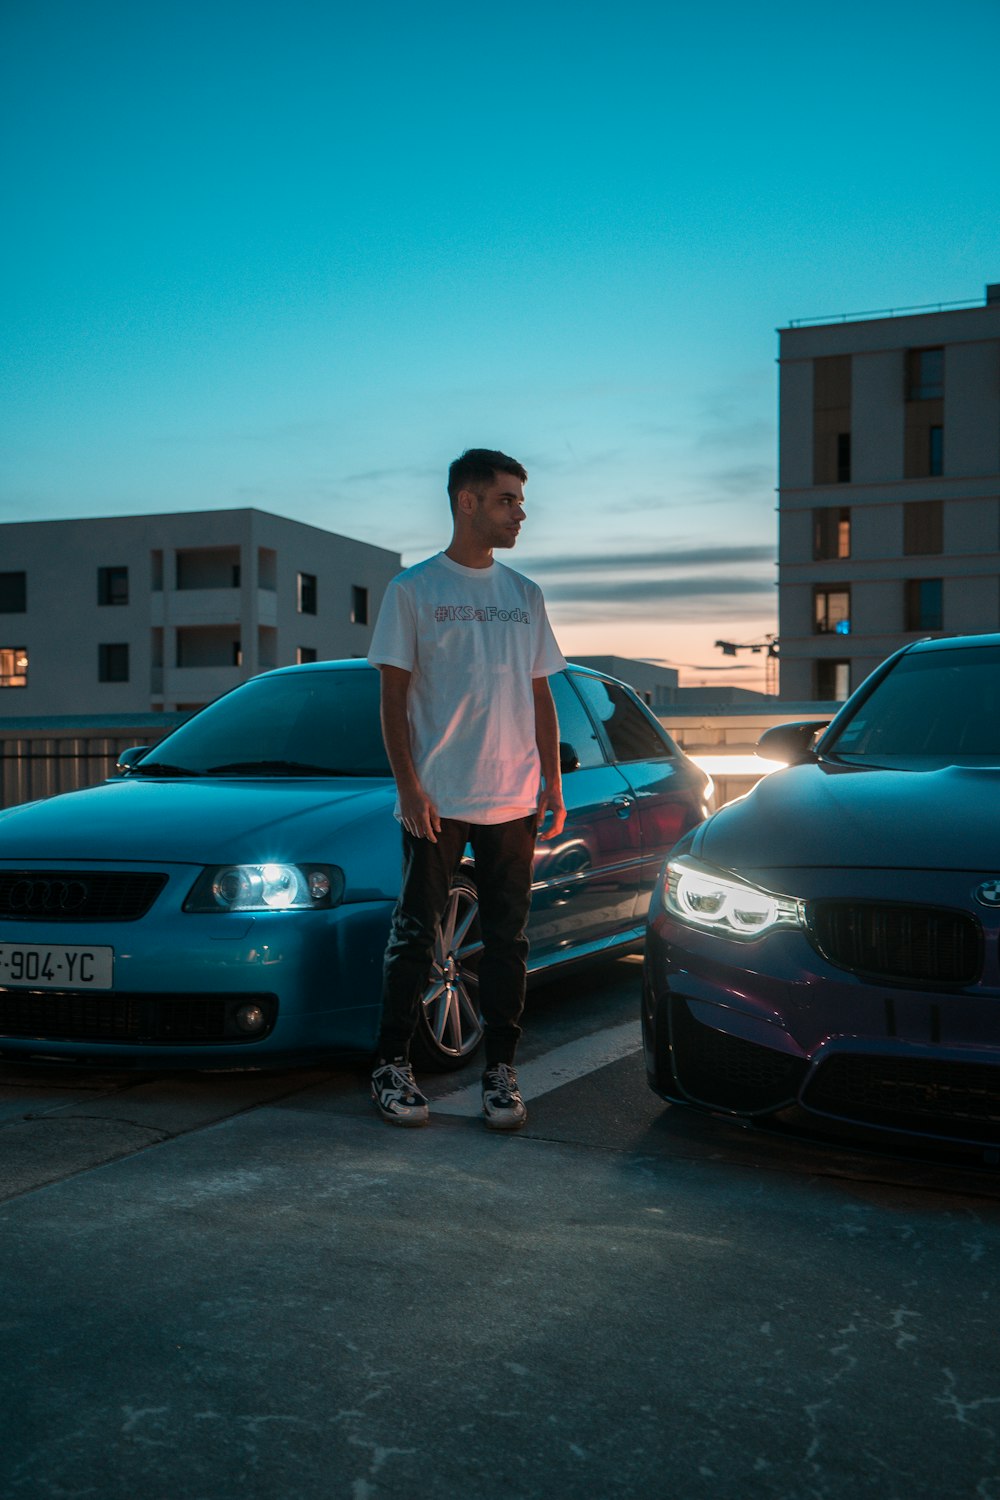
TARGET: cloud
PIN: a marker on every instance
(673, 558)
(404, 473)
(652, 591)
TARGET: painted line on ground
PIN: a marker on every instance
(543, 1074)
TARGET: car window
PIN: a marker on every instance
(632, 730)
(932, 708)
(328, 720)
(575, 727)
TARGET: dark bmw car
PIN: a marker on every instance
(832, 940)
(227, 901)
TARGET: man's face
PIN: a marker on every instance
(499, 512)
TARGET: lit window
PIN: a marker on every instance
(833, 681)
(832, 611)
(831, 532)
(13, 666)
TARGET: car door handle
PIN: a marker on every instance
(623, 806)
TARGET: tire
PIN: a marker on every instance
(450, 1028)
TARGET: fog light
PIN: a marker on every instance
(250, 1018)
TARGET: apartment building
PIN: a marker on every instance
(150, 614)
(889, 488)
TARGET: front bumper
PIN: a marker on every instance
(751, 1029)
(181, 980)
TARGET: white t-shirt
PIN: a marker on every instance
(473, 640)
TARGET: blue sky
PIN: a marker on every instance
(299, 255)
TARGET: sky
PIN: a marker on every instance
(299, 255)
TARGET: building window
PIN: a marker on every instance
(13, 593)
(923, 527)
(923, 429)
(833, 681)
(832, 611)
(832, 419)
(359, 605)
(112, 585)
(304, 653)
(923, 608)
(237, 653)
(307, 593)
(924, 374)
(13, 666)
(831, 532)
(112, 662)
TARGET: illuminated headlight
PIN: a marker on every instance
(267, 888)
(720, 903)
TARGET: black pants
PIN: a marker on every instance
(504, 855)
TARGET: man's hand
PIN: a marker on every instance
(551, 802)
(418, 814)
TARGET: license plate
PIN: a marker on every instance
(47, 966)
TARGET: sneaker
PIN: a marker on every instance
(396, 1095)
(502, 1104)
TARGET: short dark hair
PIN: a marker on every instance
(479, 467)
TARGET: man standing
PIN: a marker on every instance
(465, 650)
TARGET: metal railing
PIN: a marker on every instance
(41, 767)
(886, 312)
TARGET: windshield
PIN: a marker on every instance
(934, 708)
(322, 723)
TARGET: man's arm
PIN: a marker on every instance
(547, 739)
(418, 814)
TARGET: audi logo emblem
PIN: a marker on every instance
(35, 896)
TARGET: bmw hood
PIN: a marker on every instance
(194, 822)
(826, 816)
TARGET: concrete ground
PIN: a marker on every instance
(255, 1288)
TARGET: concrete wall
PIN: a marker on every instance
(877, 491)
(63, 625)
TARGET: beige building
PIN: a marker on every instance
(889, 488)
(152, 614)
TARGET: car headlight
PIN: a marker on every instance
(717, 902)
(268, 887)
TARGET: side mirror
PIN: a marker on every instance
(791, 743)
(130, 758)
(568, 758)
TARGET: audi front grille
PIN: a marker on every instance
(77, 895)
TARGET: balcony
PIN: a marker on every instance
(210, 607)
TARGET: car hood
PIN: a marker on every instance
(193, 822)
(821, 815)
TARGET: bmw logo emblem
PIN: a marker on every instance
(988, 894)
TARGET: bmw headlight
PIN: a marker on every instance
(270, 887)
(706, 898)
